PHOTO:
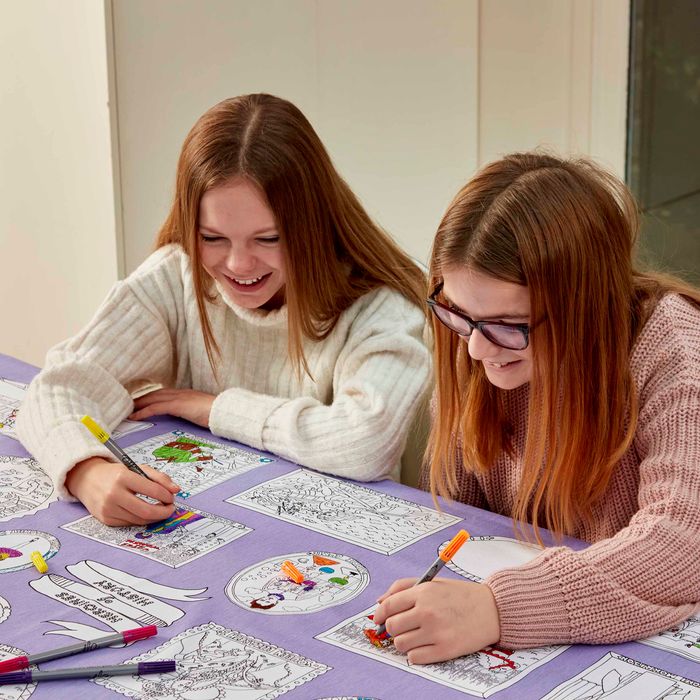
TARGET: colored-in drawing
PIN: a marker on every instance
(16, 547)
(4, 609)
(329, 579)
(11, 396)
(187, 535)
(683, 639)
(15, 692)
(481, 556)
(194, 463)
(217, 663)
(482, 673)
(617, 676)
(344, 510)
(116, 598)
(24, 487)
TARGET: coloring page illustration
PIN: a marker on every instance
(25, 487)
(11, 396)
(15, 692)
(481, 556)
(214, 662)
(329, 579)
(621, 678)
(16, 547)
(116, 598)
(4, 609)
(194, 463)
(185, 536)
(682, 639)
(482, 673)
(341, 509)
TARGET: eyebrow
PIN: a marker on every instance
(208, 229)
(501, 317)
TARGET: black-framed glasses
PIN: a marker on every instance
(513, 336)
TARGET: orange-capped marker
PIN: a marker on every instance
(454, 544)
(291, 571)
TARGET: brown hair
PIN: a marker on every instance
(566, 229)
(334, 253)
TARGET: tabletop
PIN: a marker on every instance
(210, 579)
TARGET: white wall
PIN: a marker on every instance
(390, 87)
(409, 96)
(57, 233)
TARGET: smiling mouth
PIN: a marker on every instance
(247, 285)
(500, 365)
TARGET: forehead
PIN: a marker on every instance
(483, 296)
(237, 202)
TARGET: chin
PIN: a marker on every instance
(507, 383)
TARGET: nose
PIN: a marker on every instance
(240, 260)
(480, 347)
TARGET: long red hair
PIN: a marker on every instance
(334, 252)
(566, 229)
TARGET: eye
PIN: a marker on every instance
(268, 240)
(206, 238)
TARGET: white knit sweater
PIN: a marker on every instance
(352, 419)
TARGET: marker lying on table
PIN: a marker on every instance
(291, 572)
(20, 662)
(455, 543)
(103, 436)
(140, 669)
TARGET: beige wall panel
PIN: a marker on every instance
(173, 60)
(397, 106)
(57, 232)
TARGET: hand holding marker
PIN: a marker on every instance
(103, 436)
(380, 634)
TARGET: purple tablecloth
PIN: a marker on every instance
(193, 604)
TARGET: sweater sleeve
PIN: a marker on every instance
(125, 344)
(379, 380)
(644, 579)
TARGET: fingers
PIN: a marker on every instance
(156, 489)
(162, 478)
(400, 585)
(398, 598)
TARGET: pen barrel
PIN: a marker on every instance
(75, 649)
(122, 456)
(432, 572)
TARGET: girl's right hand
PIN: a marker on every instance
(108, 490)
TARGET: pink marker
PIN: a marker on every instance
(19, 662)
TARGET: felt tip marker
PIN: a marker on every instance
(19, 662)
(140, 669)
(455, 543)
(103, 436)
(291, 572)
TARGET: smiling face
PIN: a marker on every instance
(486, 298)
(239, 245)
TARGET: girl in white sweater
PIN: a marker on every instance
(273, 312)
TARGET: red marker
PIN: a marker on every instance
(19, 662)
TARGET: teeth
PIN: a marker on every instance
(247, 282)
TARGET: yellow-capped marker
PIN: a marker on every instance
(39, 562)
(103, 436)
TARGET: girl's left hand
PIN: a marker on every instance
(194, 406)
(439, 620)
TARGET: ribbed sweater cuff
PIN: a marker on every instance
(531, 605)
(65, 446)
(239, 414)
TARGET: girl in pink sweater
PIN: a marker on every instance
(568, 397)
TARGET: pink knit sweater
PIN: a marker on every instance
(641, 574)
